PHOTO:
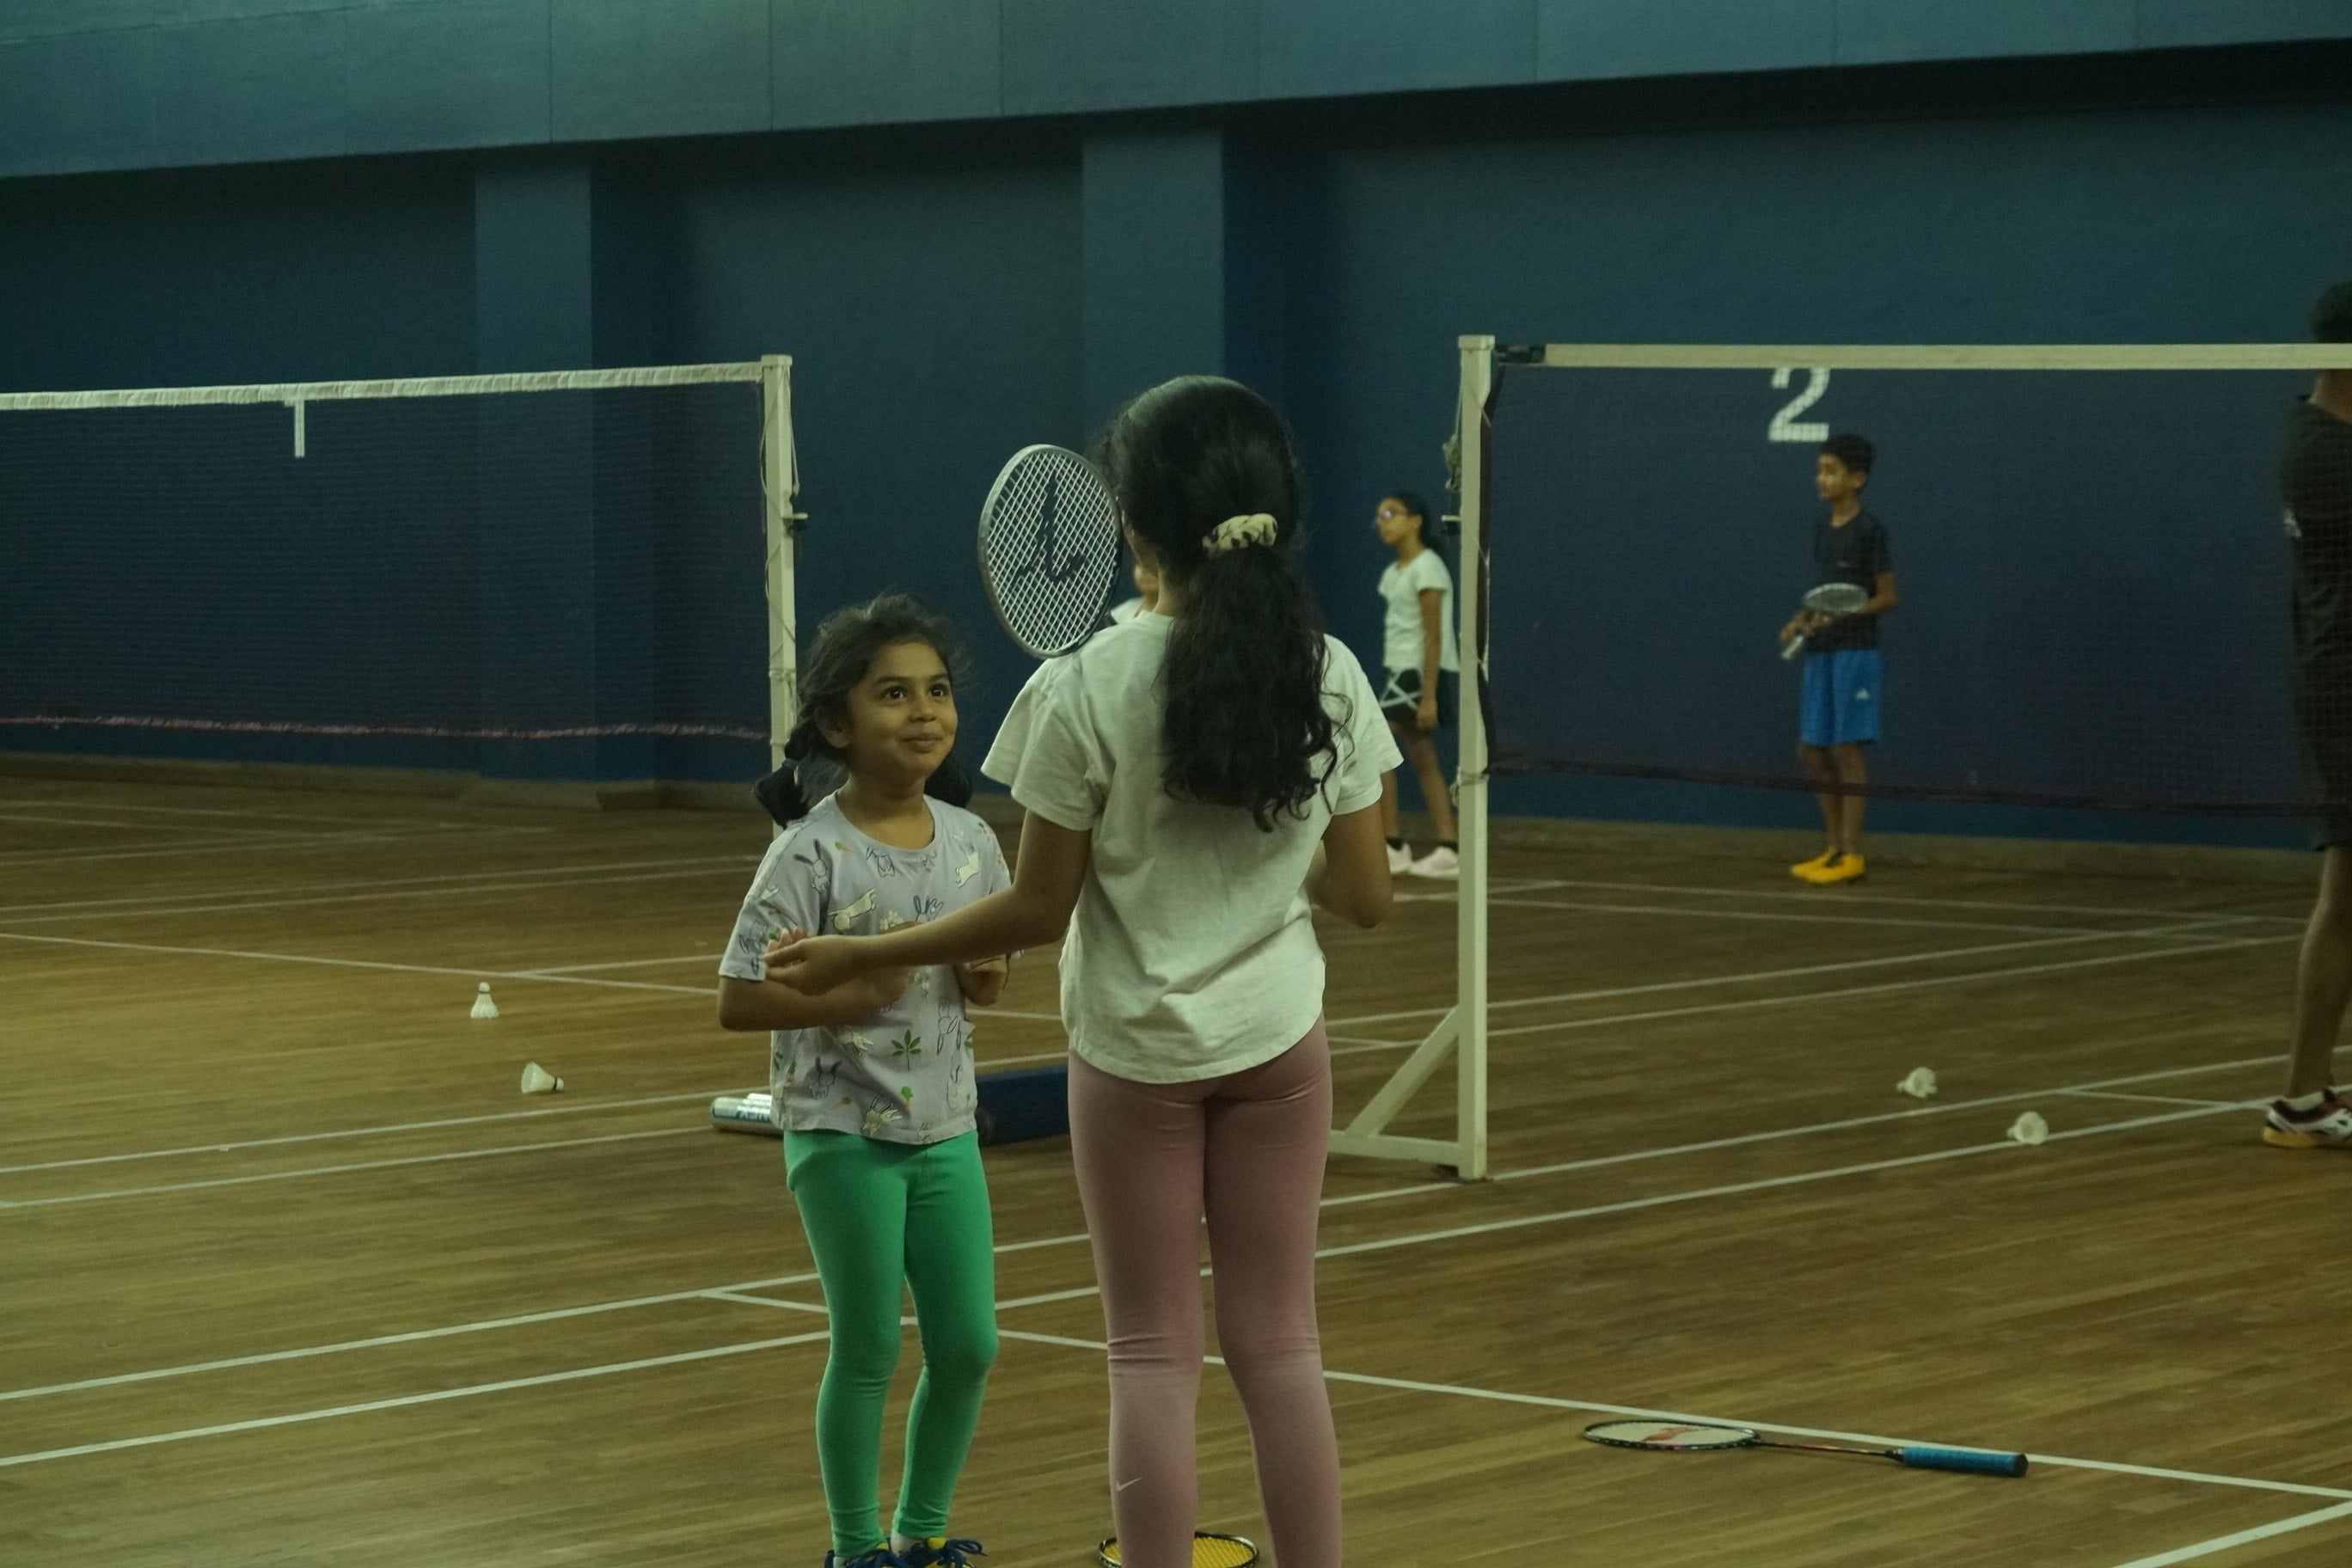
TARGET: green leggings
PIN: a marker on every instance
(882, 1217)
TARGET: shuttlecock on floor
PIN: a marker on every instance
(537, 1080)
(1919, 1083)
(483, 1006)
(2029, 1128)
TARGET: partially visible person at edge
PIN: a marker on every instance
(2316, 486)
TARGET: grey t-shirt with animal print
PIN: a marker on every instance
(903, 1074)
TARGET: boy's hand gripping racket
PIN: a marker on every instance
(1049, 549)
(1209, 1551)
(1829, 599)
(1682, 1437)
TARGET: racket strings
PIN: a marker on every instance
(1049, 546)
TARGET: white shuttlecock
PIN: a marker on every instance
(483, 1006)
(537, 1080)
(2029, 1129)
(1919, 1083)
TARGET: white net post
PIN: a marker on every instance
(779, 482)
(1470, 772)
(1462, 1031)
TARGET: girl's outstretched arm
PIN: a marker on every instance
(1033, 912)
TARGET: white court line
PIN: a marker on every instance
(1765, 1183)
(310, 816)
(1518, 1222)
(290, 842)
(10, 1204)
(2242, 1538)
(626, 964)
(1844, 896)
(1608, 993)
(376, 1341)
(225, 833)
(406, 1401)
(354, 963)
(750, 1300)
(1776, 917)
(2166, 1098)
(572, 1109)
(379, 896)
(1888, 987)
(507, 873)
(544, 976)
(520, 1320)
(1463, 1390)
(1710, 1145)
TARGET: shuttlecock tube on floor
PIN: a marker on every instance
(483, 1006)
(1919, 1083)
(2029, 1128)
(753, 1110)
(537, 1080)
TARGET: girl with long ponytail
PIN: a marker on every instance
(1193, 780)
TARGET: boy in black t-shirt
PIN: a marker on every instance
(2316, 484)
(1843, 672)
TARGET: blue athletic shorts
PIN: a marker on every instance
(1842, 697)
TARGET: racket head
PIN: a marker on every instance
(1049, 549)
(1210, 1550)
(1676, 1436)
(1837, 598)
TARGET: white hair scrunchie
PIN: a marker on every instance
(1239, 534)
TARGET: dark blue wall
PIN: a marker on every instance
(103, 84)
(951, 293)
(2214, 224)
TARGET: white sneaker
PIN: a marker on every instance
(1400, 860)
(1439, 862)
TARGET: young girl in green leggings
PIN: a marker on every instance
(873, 1080)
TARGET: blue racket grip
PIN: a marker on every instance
(1975, 1461)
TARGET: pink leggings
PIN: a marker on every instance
(1248, 1151)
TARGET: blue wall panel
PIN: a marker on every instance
(243, 90)
(928, 297)
(300, 274)
(1068, 55)
(1155, 263)
(144, 83)
(1872, 31)
(657, 68)
(79, 102)
(2172, 23)
(838, 62)
(1312, 46)
(1578, 39)
(448, 73)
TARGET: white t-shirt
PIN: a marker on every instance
(1402, 586)
(1192, 954)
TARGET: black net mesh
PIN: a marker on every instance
(2098, 604)
(437, 581)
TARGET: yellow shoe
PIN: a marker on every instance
(1844, 869)
(1804, 869)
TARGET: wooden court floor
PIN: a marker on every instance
(290, 1272)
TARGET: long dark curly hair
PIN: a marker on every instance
(1245, 725)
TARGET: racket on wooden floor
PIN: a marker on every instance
(1682, 1437)
(1209, 1551)
(1829, 599)
(1049, 549)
